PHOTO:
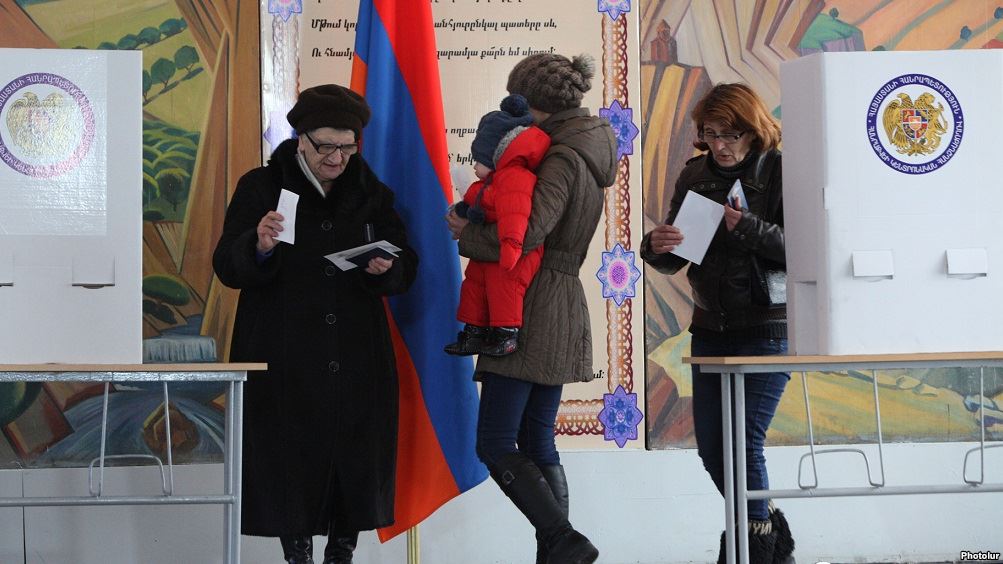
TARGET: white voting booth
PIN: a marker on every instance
(70, 206)
(892, 201)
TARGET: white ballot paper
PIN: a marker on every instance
(287, 207)
(360, 256)
(698, 219)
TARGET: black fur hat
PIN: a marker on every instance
(329, 105)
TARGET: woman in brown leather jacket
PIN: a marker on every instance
(738, 288)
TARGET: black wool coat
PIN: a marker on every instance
(320, 425)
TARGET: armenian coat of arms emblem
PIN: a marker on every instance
(915, 123)
(914, 127)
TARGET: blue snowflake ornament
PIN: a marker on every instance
(622, 121)
(618, 275)
(614, 7)
(285, 8)
(620, 416)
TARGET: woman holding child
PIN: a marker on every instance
(521, 391)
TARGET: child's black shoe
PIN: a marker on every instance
(502, 341)
(470, 341)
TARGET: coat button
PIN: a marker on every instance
(326, 225)
(330, 270)
(331, 318)
(333, 366)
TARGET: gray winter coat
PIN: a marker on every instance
(555, 342)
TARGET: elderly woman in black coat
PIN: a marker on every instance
(320, 425)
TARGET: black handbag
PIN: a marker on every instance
(769, 286)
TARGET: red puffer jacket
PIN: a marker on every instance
(508, 196)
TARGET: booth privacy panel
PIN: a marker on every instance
(888, 163)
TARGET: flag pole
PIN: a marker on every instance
(413, 546)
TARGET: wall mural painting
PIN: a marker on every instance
(199, 133)
(686, 47)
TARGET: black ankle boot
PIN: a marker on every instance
(502, 341)
(783, 554)
(523, 483)
(297, 550)
(762, 544)
(470, 341)
(340, 547)
(558, 483)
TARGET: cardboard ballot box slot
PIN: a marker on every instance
(873, 265)
(93, 271)
(967, 263)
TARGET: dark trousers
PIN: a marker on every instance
(762, 395)
(517, 416)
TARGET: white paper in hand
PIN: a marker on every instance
(287, 208)
(697, 219)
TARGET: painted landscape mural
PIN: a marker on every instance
(686, 47)
(201, 94)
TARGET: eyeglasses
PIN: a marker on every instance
(726, 138)
(347, 149)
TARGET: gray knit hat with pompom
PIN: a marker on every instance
(552, 83)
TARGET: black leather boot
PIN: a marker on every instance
(297, 550)
(501, 341)
(558, 483)
(523, 483)
(470, 341)
(783, 553)
(762, 543)
(340, 547)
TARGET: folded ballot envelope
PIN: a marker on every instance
(360, 256)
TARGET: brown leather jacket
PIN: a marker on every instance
(729, 287)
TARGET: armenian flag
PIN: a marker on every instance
(396, 69)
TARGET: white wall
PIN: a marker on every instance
(636, 506)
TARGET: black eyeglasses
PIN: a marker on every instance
(726, 138)
(347, 149)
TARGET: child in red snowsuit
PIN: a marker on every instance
(506, 151)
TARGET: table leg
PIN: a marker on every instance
(238, 455)
(228, 481)
(729, 469)
(741, 497)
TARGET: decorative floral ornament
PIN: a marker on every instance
(285, 8)
(622, 121)
(614, 7)
(618, 275)
(620, 416)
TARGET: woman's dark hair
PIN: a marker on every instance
(738, 106)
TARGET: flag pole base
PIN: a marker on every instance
(413, 546)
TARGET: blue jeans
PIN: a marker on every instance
(762, 395)
(517, 416)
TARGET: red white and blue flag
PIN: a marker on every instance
(396, 69)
